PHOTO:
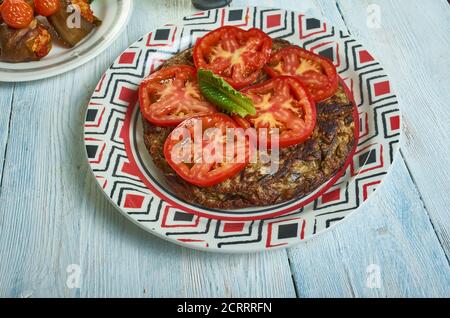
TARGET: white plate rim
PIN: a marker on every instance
(125, 10)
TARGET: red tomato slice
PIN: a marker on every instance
(317, 73)
(235, 54)
(171, 95)
(283, 103)
(194, 166)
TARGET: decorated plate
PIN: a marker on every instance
(126, 174)
(114, 15)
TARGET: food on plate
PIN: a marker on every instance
(207, 172)
(236, 55)
(29, 27)
(317, 73)
(315, 138)
(28, 44)
(171, 95)
(71, 33)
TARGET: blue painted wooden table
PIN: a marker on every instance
(59, 236)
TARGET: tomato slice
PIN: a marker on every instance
(317, 73)
(283, 103)
(170, 95)
(236, 55)
(17, 14)
(213, 161)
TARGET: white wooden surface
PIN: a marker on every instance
(52, 214)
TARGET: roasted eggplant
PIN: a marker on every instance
(70, 28)
(24, 45)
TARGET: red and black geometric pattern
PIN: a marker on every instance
(125, 172)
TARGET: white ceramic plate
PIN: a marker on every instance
(114, 15)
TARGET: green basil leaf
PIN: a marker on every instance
(217, 91)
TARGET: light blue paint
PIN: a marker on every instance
(6, 98)
(53, 215)
(391, 230)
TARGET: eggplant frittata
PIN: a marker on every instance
(302, 167)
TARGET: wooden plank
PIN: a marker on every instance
(121, 260)
(45, 181)
(6, 99)
(126, 261)
(53, 214)
(413, 44)
(391, 231)
(318, 266)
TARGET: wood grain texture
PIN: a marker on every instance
(413, 45)
(52, 213)
(6, 101)
(392, 231)
(44, 181)
(338, 266)
(139, 265)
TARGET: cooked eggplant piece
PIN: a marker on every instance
(23, 45)
(65, 23)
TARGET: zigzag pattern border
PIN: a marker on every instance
(106, 127)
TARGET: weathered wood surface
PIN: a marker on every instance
(53, 215)
(6, 101)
